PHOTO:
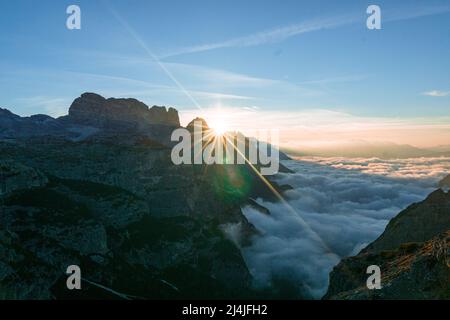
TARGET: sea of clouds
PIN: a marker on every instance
(336, 207)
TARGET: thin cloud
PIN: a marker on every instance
(436, 93)
(285, 32)
(342, 79)
(220, 76)
(223, 79)
(417, 12)
(160, 88)
(269, 36)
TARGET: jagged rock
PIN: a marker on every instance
(127, 216)
(202, 122)
(102, 192)
(418, 223)
(14, 176)
(255, 205)
(411, 271)
(412, 253)
(14, 126)
(92, 116)
(93, 110)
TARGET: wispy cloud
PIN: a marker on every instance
(146, 88)
(268, 36)
(285, 32)
(223, 77)
(436, 93)
(415, 12)
(341, 79)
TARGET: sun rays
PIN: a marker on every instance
(219, 129)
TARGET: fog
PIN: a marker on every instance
(336, 208)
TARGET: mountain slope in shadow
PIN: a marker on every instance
(413, 254)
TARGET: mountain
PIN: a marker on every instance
(365, 149)
(93, 117)
(148, 244)
(441, 149)
(13, 126)
(412, 253)
(93, 110)
(97, 188)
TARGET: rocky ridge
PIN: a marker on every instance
(91, 116)
(413, 254)
(101, 192)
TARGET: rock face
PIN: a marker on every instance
(417, 223)
(411, 271)
(13, 126)
(413, 254)
(93, 117)
(14, 176)
(137, 225)
(200, 121)
(444, 184)
(93, 110)
(97, 188)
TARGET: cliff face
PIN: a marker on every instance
(132, 221)
(411, 271)
(93, 110)
(413, 254)
(13, 126)
(101, 192)
(417, 223)
(92, 117)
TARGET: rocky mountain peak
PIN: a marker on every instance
(417, 223)
(203, 122)
(412, 253)
(5, 113)
(94, 110)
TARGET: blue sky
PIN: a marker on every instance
(284, 57)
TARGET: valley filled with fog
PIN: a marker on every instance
(336, 207)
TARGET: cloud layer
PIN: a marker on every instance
(436, 93)
(346, 203)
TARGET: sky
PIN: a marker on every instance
(311, 69)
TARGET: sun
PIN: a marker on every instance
(219, 127)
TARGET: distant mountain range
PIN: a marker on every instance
(365, 149)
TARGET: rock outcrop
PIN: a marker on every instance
(97, 188)
(158, 235)
(200, 122)
(413, 254)
(14, 126)
(14, 176)
(91, 116)
(91, 109)
(415, 270)
(418, 223)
